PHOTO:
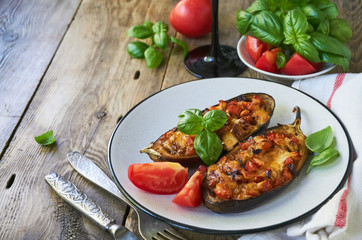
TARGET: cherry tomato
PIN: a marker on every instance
(190, 194)
(192, 18)
(255, 47)
(158, 177)
(297, 65)
(267, 61)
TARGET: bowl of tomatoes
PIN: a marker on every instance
(275, 63)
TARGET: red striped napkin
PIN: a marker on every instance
(341, 217)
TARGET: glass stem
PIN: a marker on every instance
(215, 53)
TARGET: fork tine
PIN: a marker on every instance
(168, 235)
(174, 234)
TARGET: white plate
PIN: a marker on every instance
(248, 61)
(159, 113)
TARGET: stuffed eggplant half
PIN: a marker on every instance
(256, 170)
(247, 114)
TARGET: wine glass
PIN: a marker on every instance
(214, 60)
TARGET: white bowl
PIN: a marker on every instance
(248, 61)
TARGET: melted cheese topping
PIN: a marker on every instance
(261, 164)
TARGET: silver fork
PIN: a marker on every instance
(149, 227)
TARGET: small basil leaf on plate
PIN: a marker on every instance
(136, 49)
(320, 140)
(323, 157)
(153, 57)
(190, 122)
(208, 146)
(46, 138)
(214, 119)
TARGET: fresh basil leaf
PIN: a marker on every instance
(181, 44)
(257, 6)
(153, 57)
(327, 6)
(335, 59)
(243, 21)
(161, 40)
(214, 119)
(280, 60)
(340, 29)
(148, 24)
(323, 157)
(320, 140)
(267, 27)
(46, 138)
(324, 26)
(160, 27)
(330, 44)
(307, 51)
(310, 28)
(190, 122)
(208, 146)
(137, 49)
(313, 14)
(295, 27)
(139, 31)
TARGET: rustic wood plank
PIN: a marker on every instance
(92, 77)
(30, 32)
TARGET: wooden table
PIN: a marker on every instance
(64, 67)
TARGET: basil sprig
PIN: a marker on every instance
(207, 144)
(309, 28)
(152, 53)
(320, 142)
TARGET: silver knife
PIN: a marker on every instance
(77, 199)
(150, 225)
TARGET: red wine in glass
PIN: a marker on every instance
(214, 60)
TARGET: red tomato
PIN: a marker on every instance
(255, 47)
(192, 18)
(158, 177)
(267, 61)
(190, 195)
(297, 65)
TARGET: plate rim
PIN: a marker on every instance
(242, 231)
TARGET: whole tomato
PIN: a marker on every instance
(192, 18)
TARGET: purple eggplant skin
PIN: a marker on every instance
(217, 205)
(156, 152)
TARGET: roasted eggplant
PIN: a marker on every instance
(247, 114)
(256, 170)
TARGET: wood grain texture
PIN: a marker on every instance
(80, 89)
(30, 32)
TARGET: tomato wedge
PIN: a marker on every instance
(255, 47)
(190, 194)
(297, 65)
(267, 61)
(158, 177)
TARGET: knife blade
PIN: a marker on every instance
(80, 201)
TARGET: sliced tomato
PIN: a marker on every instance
(267, 61)
(297, 65)
(158, 177)
(190, 194)
(255, 47)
